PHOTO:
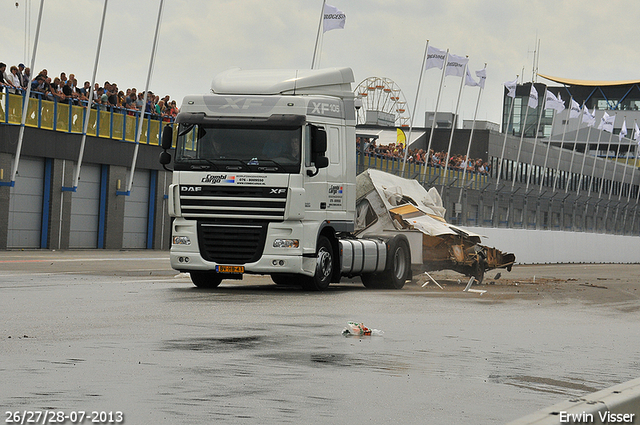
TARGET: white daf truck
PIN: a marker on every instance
(264, 182)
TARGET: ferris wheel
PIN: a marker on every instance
(382, 101)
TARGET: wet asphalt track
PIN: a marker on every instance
(119, 331)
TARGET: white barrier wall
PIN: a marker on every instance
(614, 405)
(547, 246)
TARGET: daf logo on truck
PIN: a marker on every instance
(191, 188)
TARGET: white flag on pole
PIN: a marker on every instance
(332, 18)
(623, 131)
(553, 102)
(533, 98)
(435, 58)
(589, 118)
(511, 87)
(574, 112)
(455, 65)
(606, 122)
(636, 133)
(469, 81)
(482, 74)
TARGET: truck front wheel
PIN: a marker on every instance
(205, 280)
(324, 267)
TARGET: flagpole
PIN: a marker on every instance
(146, 93)
(535, 140)
(435, 113)
(524, 126)
(606, 159)
(315, 50)
(575, 143)
(76, 175)
(415, 106)
(564, 131)
(595, 160)
(546, 156)
(615, 164)
(635, 159)
(473, 124)
(506, 132)
(25, 105)
(624, 175)
(453, 125)
(584, 157)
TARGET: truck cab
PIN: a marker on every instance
(264, 177)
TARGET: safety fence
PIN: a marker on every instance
(430, 175)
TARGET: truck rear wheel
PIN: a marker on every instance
(397, 269)
(324, 267)
(205, 280)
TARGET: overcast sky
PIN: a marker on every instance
(586, 40)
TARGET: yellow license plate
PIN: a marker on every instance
(230, 269)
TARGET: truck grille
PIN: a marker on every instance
(231, 243)
(233, 202)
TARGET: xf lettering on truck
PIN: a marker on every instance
(241, 103)
(326, 108)
(321, 108)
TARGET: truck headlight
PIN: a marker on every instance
(286, 243)
(181, 240)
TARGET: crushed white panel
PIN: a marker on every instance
(469, 289)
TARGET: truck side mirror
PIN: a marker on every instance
(166, 142)
(167, 137)
(165, 157)
(318, 149)
(318, 140)
(321, 162)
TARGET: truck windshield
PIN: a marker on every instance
(268, 149)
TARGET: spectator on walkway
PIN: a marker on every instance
(56, 90)
(14, 78)
(160, 108)
(21, 75)
(173, 112)
(26, 77)
(140, 101)
(130, 102)
(3, 78)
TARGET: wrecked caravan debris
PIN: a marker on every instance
(388, 203)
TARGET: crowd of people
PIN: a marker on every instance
(395, 151)
(66, 89)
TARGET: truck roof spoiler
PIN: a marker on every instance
(283, 81)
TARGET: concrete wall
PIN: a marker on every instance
(62, 149)
(548, 246)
